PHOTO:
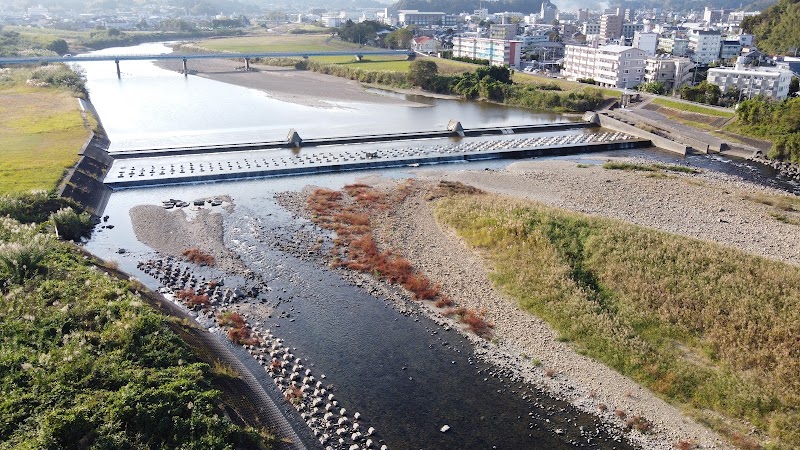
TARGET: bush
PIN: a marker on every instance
(20, 261)
(61, 75)
(70, 225)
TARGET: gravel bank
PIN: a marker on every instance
(286, 83)
(707, 206)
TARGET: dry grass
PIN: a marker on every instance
(199, 257)
(355, 247)
(782, 202)
(705, 326)
(42, 133)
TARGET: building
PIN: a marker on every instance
(502, 31)
(646, 41)
(610, 26)
(673, 71)
(498, 52)
(704, 46)
(590, 28)
(406, 17)
(583, 15)
(548, 12)
(609, 65)
(331, 20)
(769, 82)
(629, 29)
(730, 50)
(711, 16)
(424, 44)
(674, 46)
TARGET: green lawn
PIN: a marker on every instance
(689, 107)
(712, 329)
(43, 131)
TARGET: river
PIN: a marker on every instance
(406, 375)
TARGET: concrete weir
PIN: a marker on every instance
(177, 168)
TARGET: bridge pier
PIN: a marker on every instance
(247, 64)
(119, 74)
(185, 68)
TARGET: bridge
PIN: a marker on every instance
(185, 57)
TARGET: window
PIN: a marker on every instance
(626, 70)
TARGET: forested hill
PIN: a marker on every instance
(776, 29)
(459, 6)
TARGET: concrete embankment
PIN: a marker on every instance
(84, 183)
(606, 121)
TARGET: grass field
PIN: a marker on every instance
(280, 43)
(692, 108)
(709, 328)
(43, 132)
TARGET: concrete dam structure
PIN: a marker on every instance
(158, 167)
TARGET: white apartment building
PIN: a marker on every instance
(751, 82)
(610, 65)
(704, 45)
(673, 71)
(590, 28)
(730, 50)
(499, 52)
(674, 46)
(406, 17)
(646, 41)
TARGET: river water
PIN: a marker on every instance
(406, 375)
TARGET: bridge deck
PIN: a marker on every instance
(163, 170)
(221, 55)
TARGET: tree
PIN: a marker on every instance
(59, 46)
(653, 87)
(421, 72)
(794, 86)
(399, 38)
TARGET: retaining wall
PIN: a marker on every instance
(606, 121)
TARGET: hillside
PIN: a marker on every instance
(776, 29)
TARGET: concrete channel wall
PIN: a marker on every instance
(558, 150)
(84, 183)
(606, 121)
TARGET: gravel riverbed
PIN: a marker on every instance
(708, 206)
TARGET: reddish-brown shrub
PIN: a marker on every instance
(197, 256)
(685, 444)
(620, 413)
(444, 301)
(231, 319)
(550, 372)
(640, 423)
(602, 407)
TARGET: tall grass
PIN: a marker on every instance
(711, 328)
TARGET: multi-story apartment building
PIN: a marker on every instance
(673, 71)
(769, 82)
(609, 65)
(704, 45)
(406, 17)
(711, 16)
(499, 52)
(674, 46)
(629, 29)
(590, 28)
(610, 26)
(646, 41)
(730, 50)
(502, 31)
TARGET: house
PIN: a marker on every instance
(424, 44)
